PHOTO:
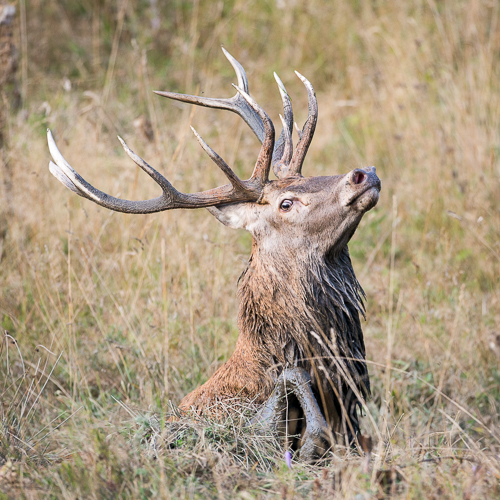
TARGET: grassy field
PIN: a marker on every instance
(111, 319)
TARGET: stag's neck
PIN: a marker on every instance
(283, 300)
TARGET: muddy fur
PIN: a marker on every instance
(300, 301)
(296, 313)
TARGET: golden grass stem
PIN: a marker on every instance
(166, 337)
(108, 82)
(24, 60)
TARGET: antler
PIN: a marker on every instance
(236, 191)
(237, 104)
(284, 165)
(306, 134)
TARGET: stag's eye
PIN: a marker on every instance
(286, 205)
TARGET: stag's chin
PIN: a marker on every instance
(367, 200)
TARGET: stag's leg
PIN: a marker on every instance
(316, 438)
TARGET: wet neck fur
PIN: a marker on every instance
(299, 308)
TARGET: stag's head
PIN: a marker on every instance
(293, 213)
(305, 214)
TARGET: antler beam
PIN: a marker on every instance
(237, 191)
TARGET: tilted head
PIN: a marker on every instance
(293, 213)
(305, 214)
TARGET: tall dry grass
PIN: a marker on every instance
(111, 316)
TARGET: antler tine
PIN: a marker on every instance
(156, 176)
(170, 198)
(281, 166)
(284, 141)
(307, 132)
(299, 131)
(263, 164)
(61, 177)
(63, 171)
(233, 179)
(236, 104)
(238, 69)
(239, 105)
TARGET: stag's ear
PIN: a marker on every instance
(234, 215)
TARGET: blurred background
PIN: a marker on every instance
(142, 309)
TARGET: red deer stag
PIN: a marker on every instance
(300, 352)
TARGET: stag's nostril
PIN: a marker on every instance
(359, 177)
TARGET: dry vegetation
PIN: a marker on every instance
(111, 316)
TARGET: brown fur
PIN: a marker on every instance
(299, 300)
